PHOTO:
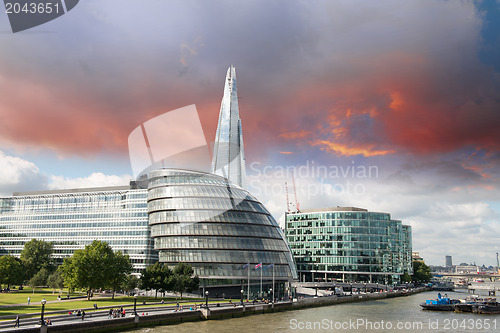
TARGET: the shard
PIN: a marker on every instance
(229, 157)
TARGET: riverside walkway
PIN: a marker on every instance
(166, 314)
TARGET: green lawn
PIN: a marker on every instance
(19, 297)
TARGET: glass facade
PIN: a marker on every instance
(216, 227)
(74, 218)
(347, 242)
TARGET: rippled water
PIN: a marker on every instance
(401, 314)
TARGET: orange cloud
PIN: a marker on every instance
(296, 135)
(342, 149)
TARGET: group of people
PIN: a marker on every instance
(78, 313)
(116, 313)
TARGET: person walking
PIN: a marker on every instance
(17, 322)
(83, 314)
(29, 299)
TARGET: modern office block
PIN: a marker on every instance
(348, 244)
(72, 219)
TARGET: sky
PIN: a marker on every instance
(389, 106)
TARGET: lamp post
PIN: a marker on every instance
(365, 287)
(43, 309)
(135, 304)
(206, 299)
(241, 291)
(316, 287)
(351, 288)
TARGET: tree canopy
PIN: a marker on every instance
(183, 280)
(161, 278)
(94, 267)
(37, 254)
(157, 277)
(11, 270)
(421, 272)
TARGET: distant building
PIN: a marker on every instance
(448, 261)
(415, 256)
(470, 269)
(349, 244)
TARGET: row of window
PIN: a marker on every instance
(345, 268)
(208, 256)
(339, 215)
(201, 270)
(220, 243)
(210, 216)
(7, 217)
(339, 223)
(204, 203)
(197, 191)
(338, 230)
(214, 229)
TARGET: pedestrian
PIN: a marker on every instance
(83, 314)
(17, 322)
(110, 313)
(29, 300)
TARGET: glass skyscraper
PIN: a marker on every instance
(348, 244)
(71, 219)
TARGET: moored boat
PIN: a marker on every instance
(440, 304)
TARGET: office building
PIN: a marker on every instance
(349, 244)
(71, 219)
(448, 261)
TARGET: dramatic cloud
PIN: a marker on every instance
(17, 174)
(413, 90)
(96, 179)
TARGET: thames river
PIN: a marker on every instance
(401, 314)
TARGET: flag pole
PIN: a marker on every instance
(261, 269)
(248, 283)
(273, 287)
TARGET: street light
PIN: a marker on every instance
(316, 286)
(43, 309)
(206, 299)
(241, 291)
(351, 288)
(135, 304)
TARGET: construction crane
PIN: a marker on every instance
(498, 265)
(287, 200)
(295, 193)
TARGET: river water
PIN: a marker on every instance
(401, 314)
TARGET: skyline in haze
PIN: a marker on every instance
(410, 92)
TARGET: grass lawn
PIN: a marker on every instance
(19, 297)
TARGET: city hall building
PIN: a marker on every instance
(349, 244)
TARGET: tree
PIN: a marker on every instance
(39, 279)
(119, 270)
(406, 277)
(183, 280)
(157, 277)
(37, 254)
(421, 272)
(90, 268)
(130, 283)
(55, 280)
(11, 270)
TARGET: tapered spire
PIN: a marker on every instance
(229, 157)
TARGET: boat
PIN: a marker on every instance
(490, 305)
(467, 305)
(440, 304)
(443, 285)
